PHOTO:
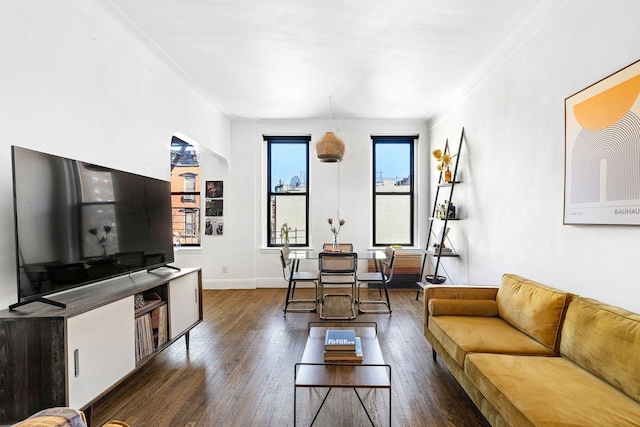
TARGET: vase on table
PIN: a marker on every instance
(284, 235)
(336, 242)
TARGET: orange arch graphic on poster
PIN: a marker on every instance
(606, 108)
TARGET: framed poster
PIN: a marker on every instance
(602, 151)
(213, 226)
(213, 189)
(213, 207)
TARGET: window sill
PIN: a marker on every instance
(188, 249)
(270, 249)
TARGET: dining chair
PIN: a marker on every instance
(381, 278)
(337, 269)
(342, 247)
(293, 276)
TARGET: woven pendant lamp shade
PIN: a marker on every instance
(330, 148)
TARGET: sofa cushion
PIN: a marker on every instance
(455, 292)
(604, 340)
(533, 308)
(460, 335)
(549, 391)
(463, 307)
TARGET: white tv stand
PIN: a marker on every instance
(51, 356)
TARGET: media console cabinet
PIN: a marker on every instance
(71, 357)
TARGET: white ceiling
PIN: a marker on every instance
(312, 59)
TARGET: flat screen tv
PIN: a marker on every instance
(78, 223)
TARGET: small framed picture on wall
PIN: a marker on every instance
(213, 226)
(213, 189)
(214, 207)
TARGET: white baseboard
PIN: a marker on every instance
(229, 284)
(249, 284)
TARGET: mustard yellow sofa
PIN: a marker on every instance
(531, 355)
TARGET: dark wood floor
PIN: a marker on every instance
(240, 366)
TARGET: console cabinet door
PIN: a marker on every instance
(184, 303)
(100, 350)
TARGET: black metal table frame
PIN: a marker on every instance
(299, 364)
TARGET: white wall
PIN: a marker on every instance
(514, 158)
(344, 187)
(77, 81)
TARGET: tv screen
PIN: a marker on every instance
(78, 223)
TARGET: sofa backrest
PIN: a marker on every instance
(604, 340)
(533, 308)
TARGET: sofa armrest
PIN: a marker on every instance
(456, 292)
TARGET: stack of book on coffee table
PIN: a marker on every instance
(342, 345)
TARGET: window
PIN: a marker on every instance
(185, 193)
(189, 187)
(287, 191)
(393, 185)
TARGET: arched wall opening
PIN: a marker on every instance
(212, 255)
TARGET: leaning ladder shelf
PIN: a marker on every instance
(435, 255)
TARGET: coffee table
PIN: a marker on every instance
(313, 371)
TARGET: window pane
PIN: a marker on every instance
(287, 189)
(189, 182)
(186, 226)
(393, 190)
(288, 167)
(392, 168)
(185, 170)
(393, 219)
(290, 210)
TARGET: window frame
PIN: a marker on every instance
(190, 203)
(410, 140)
(274, 139)
(190, 186)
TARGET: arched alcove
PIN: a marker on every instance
(213, 253)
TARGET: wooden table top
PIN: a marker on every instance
(313, 371)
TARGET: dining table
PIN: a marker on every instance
(298, 255)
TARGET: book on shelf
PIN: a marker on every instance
(144, 337)
(442, 252)
(159, 325)
(163, 329)
(147, 302)
(340, 339)
(442, 235)
(345, 356)
(436, 250)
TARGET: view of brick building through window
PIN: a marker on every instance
(185, 193)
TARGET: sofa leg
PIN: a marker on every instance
(434, 354)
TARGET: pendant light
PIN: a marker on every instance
(330, 148)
